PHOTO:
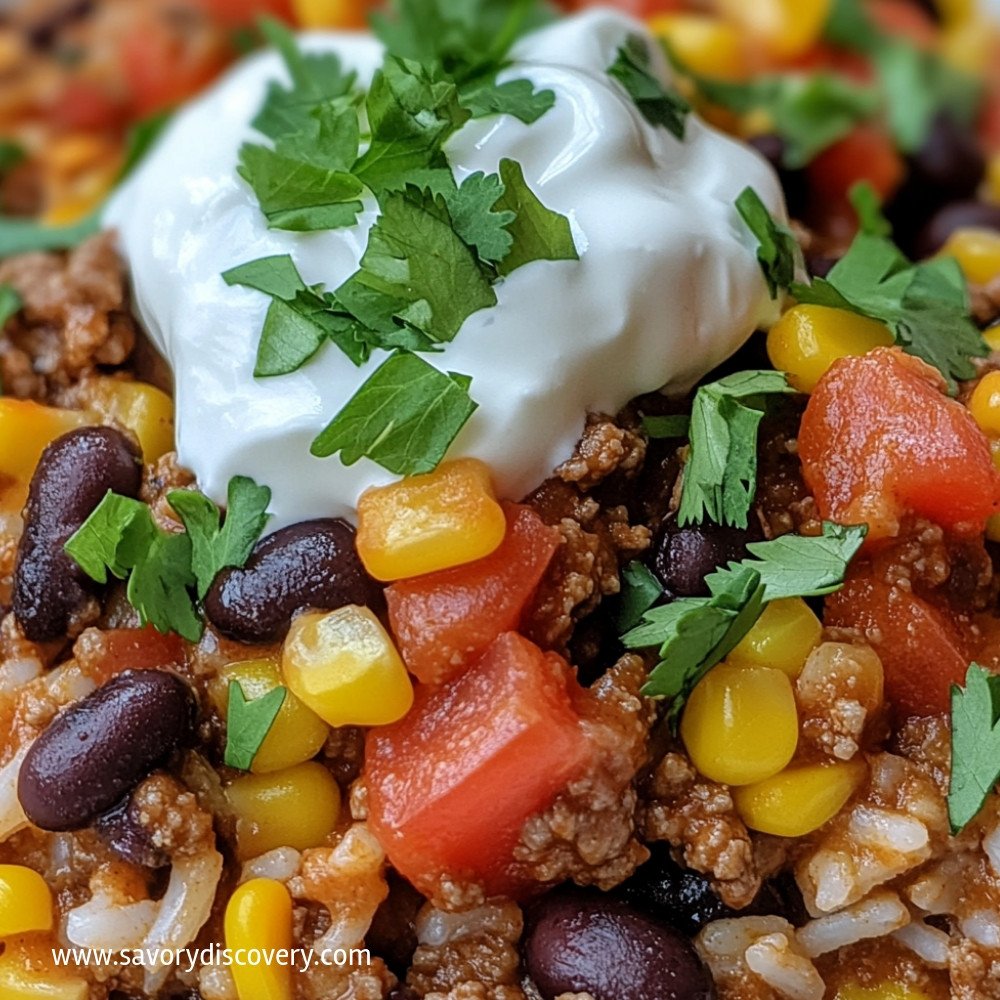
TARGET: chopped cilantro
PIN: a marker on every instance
(975, 745)
(513, 97)
(693, 634)
(11, 154)
(163, 568)
(720, 476)
(868, 208)
(10, 304)
(658, 104)
(640, 591)
(673, 426)
(248, 723)
(777, 251)
(404, 417)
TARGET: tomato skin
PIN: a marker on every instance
(866, 154)
(87, 105)
(905, 20)
(989, 120)
(444, 621)
(920, 644)
(451, 785)
(119, 649)
(879, 439)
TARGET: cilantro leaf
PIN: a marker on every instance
(672, 426)
(777, 251)
(213, 548)
(658, 104)
(975, 745)
(720, 477)
(404, 417)
(538, 232)
(11, 154)
(515, 97)
(924, 305)
(640, 591)
(113, 538)
(418, 267)
(472, 208)
(10, 304)
(248, 723)
(158, 587)
(868, 208)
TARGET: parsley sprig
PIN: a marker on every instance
(693, 634)
(975, 745)
(248, 721)
(168, 573)
(437, 247)
(659, 105)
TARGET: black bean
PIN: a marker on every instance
(665, 890)
(820, 265)
(582, 942)
(950, 164)
(309, 565)
(96, 751)
(683, 557)
(960, 215)
(120, 829)
(72, 476)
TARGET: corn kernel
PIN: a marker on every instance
(784, 635)
(344, 666)
(955, 11)
(146, 411)
(297, 807)
(329, 13)
(297, 733)
(992, 337)
(740, 724)
(884, 991)
(993, 179)
(969, 45)
(808, 339)
(425, 523)
(977, 252)
(799, 799)
(28, 973)
(786, 28)
(706, 45)
(259, 915)
(984, 404)
(25, 901)
(26, 428)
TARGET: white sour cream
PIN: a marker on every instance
(666, 287)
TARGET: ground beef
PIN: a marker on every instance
(604, 448)
(589, 833)
(585, 568)
(75, 318)
(986, 302)
(975, 972)
(344, 753)
(699, 817)
(172, 817)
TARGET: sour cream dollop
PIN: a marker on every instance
(666, 287)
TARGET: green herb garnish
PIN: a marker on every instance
(720, 476)
(777, 251)
(10, 304)
(693, 634)
(658, 104)
(975, 745)
(672, 426)
(11, 154)
(868, 208)
(248, 723)
(167, 571)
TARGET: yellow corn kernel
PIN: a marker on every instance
(786, 28)
(993, 179)
(28, 973)
(297, 733)
(425, 523)
(977, 252)
(955, 11)
(984, 404)
(26, 428)
(329, 13)
(25, 901)
(808, 339)
(784, 635)
(740, 724)
(146, 411)
(969, 45)
(259, 916)
(706, 45)
(884, 991)
(799, 799)
(297, 807)
(992, 337)
(344, 666)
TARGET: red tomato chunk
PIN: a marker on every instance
(451, 785)
(880, 439)
(444, 621)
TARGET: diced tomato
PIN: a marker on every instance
(866, 154)
(234, 13)
(165, 61)
(827, 57)
(451, 785)
(102, 655)
(906, 20)
(87, 105)
(921, 646)
(989, 120)
(443, 621)
(880, 439)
